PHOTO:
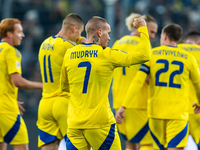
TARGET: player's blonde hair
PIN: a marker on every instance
(72, 19)
(7, 25)
(129, 20)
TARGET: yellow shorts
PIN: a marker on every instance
(135, 126)
(105, 138)
(13, 129)
(52, 119)
(194, 128)
(168, 133)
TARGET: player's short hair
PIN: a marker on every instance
(94, 24)
(7, 25)
(129, 20)
(72, 19)
(194, 35)
(173, 31)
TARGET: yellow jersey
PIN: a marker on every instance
(170, 70)
(193, 49)
(124, 75)
(10, 62)
(50, 56)
(88, 68)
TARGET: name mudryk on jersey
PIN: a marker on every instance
(170, 53)
(86, 53)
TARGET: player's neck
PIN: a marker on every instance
(9, 41)
(171, 43)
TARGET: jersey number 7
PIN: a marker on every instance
(87, 74)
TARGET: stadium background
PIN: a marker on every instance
(43, 18)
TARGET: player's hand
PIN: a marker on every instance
(139, 22)
(21, 108)
(197, 108)
(120, 115)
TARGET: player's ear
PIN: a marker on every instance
(99, 33)
(73, 28)
(9, 34)
(165, 36)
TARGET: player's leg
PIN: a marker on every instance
(60, 113)
(105, 138)
(76, 140)
(176, 134)
(20, 147)
(49, 131)
(194, 128)
(157, 131)
(14, 131)
(3, 146)
(138, 129)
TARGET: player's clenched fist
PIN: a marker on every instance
(139, 22)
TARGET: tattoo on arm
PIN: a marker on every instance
(96, 39)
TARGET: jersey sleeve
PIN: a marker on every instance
(141, 55)
(136, 84)
(13, 60)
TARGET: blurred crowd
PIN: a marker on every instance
(43, 18)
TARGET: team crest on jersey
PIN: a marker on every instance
(18, 65)
(1, 49)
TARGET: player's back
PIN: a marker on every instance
(193, 49)
(170, 71)
(124, 75)
(90, 69)
(51, 56)
(10, 60)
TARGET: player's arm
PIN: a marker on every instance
(120, 58)
(144, 47)
(64, 84)
(195, 78)
(23, 83)
(134, 88)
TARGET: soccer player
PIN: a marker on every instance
(52, 113)
(170, 69)
(192, 45)
(12, 127)
(133, 131)
(88, 68)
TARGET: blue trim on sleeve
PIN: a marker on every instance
(156, 140)
(178, 138)
(145, 69)
(13, 131)
(109, 139)
(46, 137)
(69, 145)
(140, 135)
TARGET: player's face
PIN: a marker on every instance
(77, 33)
(105, 38)
(152, 29)
(17, 35)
